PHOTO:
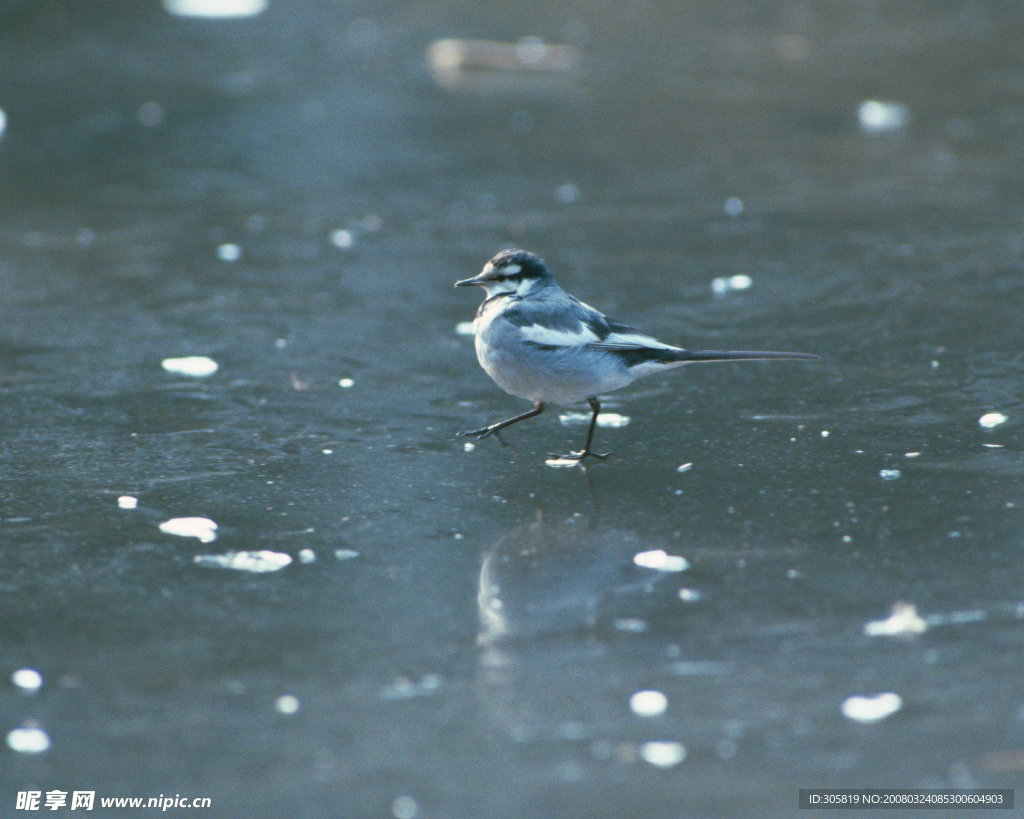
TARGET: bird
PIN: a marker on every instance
(540, 343)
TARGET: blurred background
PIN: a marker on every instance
(243, 555)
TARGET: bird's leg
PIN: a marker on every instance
(493, 429)
(595, 405)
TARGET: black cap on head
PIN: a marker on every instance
(515, 266)
(517, 263)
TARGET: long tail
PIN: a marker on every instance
(684, 356)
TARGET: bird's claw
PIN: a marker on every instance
(474, 433)
(480, 434)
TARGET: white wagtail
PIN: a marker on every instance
(538, 342)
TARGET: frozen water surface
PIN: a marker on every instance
(228, 237)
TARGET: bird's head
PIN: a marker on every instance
(511, 273)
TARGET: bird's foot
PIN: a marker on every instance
(484, 432)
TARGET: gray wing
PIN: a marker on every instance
(564, 322)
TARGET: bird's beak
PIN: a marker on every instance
(468, 282)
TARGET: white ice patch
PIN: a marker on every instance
(27, 679)
(229, 252)
(202, 528)
(957, 618)
(879, 117)
(903, 622)
(256, 562)
(661, 561)
(663, 754)
(725, 284)
(605, 419)
(198, 366)
(404, 689)
(871, 709)
(733, 206)
(992, 419)
(648, 703)
(405, 807)
(28, 739)
(559, 463)
(215, 8)
(127, 502)
(342, 238)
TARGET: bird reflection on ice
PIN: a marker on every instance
(554, 598)
(544, 578)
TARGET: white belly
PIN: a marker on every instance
(562, 377)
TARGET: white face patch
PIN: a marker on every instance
(495, 280)
(508, 287)
(552, 337)
(504, 270)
